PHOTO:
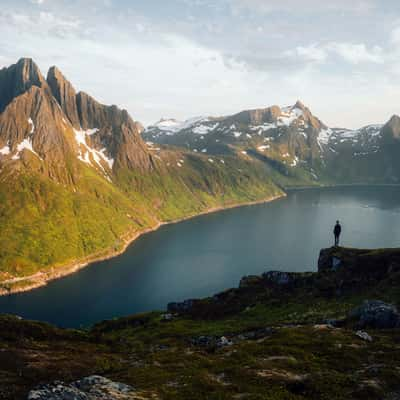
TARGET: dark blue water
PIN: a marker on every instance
(204, 255)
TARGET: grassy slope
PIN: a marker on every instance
(297, 360)
(45, 224)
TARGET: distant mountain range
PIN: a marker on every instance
(77, 181)
(289, 139)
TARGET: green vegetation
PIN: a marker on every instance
(46, 224)
(280, 347)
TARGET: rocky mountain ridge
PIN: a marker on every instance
(46, 120)
(289, 139)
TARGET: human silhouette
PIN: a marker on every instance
(337, 231)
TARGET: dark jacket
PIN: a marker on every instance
(337, 230)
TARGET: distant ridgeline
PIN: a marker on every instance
(80, 180)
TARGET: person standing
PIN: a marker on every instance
(337, 231)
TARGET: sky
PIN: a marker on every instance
(185, 58)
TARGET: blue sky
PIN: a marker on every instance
(182, 58)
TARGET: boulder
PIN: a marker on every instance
(91, 388)
(364, 336)
(375, 314)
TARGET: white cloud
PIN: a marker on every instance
(395, 36)
(352, 53)
(358, 53)
(312, 53)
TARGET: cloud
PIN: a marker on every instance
(352, 53)
(357, 7)
(185, 57)
(395, 36)
(356, 53)
(312, 53)
(41, 23)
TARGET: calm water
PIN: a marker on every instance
(202, 256)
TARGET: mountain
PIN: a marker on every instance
(77, 181)
(293, 143)
(366, 155)
(284, 137)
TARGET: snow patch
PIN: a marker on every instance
(32, 126)
(85, 151)
(26, 144)
(324, 136)
(262, 148)
(5, 150)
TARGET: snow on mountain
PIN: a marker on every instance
(172, 126)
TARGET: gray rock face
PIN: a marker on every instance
(90, 388)
(376, 314)
(328, 262)
(65, 94)
(364, 336)
(278, 277)
(17, 79)
(183, 306)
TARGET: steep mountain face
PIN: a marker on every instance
(17, 79)
(366, 155)
(77, 181)
(46, 126)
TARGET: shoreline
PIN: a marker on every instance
(40, 279)
(335, 185)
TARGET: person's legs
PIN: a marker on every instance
(336, 240)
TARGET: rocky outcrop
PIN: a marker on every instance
(391, 131)
(65, 94)
(91, 388)
(17, 79)
(341, 272)
(375, 314)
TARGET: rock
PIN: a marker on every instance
(91, 388)
(167, 317)
(65, 94)
(278, 277)
(181, 307)
(256, 334)
(223, 342)
(328, 260)
(336, 323)
(250, 280)
(364, 336)
(204, 341)
(336, 263)
(375, 314)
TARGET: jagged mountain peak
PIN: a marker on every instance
(17, 79)
(28, 74)
(65, 94)
(45, 125)
(391, 130)
(300, 105)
